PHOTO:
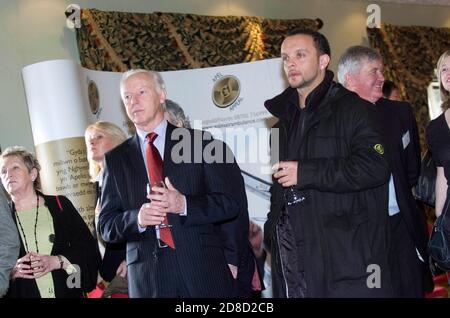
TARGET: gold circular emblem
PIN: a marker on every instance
(379, 148)
(225, 91)
(94, 100)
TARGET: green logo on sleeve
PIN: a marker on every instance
(379, 148)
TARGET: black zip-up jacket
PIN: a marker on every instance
(343, 174)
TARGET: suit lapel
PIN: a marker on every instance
(387, 120)
(169, 144)
(134, 156)
(168, 171)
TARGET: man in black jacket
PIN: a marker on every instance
(361, 71)
(327, 225)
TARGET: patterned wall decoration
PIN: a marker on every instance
(117, 41)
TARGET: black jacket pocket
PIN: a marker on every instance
(347, 245)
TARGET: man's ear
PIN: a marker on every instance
(162, 96)
(324, 60)
(348, 80)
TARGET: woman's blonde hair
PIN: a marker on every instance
(28, 159)
(117, 136)
(444, 93)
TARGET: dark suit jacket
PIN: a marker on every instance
(199, 250)
(234, 233)
(401, 137)
(114, 253)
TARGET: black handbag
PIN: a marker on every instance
(424, 191)
(438, 246)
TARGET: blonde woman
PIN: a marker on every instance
(438, 138)
(100, 138)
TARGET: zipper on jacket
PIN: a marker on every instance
(302, 131)
(285, 147)
(281, 263)
(286, 144)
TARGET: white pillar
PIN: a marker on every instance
(58, 107)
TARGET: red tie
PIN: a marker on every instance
(155, 168)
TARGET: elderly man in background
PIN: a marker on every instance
(360, 70)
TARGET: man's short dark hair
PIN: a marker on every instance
(320, 41)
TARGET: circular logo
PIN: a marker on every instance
(225, 91)
(94, 100)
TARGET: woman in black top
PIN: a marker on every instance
(438, 139)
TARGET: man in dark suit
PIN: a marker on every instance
(192, 263)
(360, 70)
(235, 236)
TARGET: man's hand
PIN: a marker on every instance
(168, 200)
(122, 269)
(286, 173)
(150, 214)
(255, 236)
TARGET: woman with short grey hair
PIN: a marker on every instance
(54, 240)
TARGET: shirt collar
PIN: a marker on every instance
(99, 178)
(160, 130)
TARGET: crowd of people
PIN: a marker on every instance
(343, 221)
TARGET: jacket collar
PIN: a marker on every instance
(281, 105)
(316, 96)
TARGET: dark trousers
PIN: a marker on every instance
(169, 281)
(407, 270)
